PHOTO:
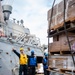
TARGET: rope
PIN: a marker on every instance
(65, 31)
(49, 27)
(67, 34)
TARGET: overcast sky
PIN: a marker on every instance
(34, 14)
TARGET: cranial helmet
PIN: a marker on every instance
(21, 48)
(32, 51)
(45, 54)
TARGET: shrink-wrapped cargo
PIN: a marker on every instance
(60, 43)
(58, 14)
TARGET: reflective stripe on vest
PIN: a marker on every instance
(23, 59)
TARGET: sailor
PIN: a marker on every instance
(45, 64)
(32, 63)
(23, 60)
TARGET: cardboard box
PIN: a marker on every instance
(60, 42)
(58, 14)
(54, 47)
(58, 62)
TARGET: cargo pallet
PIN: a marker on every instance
(64, 71)
(60, 58)
(70, 26)
(61, 53)
(69, 20)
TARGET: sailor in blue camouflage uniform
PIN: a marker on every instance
(45, 64)
(32, 63)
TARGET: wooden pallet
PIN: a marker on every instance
(54, 69)
(70, 26)
(67, 52)
(60, 71)
(69, 20)
(67, 71)
(55, 53)
(64, 71)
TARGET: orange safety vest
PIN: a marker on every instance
(23, 59)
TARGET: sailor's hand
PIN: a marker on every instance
(12, 49)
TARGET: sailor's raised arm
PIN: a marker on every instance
(18, 54)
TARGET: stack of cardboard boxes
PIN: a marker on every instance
(58, 12)
(60, 54)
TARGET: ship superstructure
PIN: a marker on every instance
(14, 35)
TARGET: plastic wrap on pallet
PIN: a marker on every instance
(61, 40)
(71, 10)
(58, 62)
(58, 13)
(62, 64)
(72, 2)
(70, 64)
(64, 42)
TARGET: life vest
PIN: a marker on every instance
(23, 59)
(32, 61)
